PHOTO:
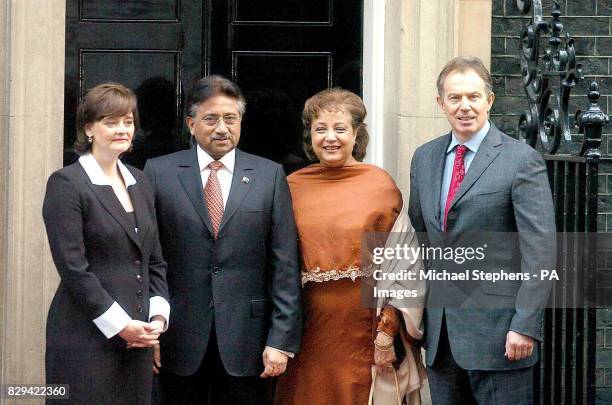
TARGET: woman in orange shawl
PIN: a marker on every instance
(336, 201)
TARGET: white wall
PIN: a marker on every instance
(406, 44)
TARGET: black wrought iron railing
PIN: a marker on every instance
(566, 374)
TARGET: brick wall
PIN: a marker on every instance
(590, 23)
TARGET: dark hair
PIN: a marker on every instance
(211, 86)
(105, 100)
(461, 64)
(332, 100)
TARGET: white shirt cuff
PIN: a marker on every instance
(112, 321)
(289, 354)
(159, 306)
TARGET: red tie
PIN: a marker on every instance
(214, 198)
(458, 175)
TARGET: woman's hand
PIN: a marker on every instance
(384, 352)
(153, 329)
(140, 334)
(157, 324)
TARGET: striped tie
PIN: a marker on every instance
(213, 196)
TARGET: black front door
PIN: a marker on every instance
(280, 52)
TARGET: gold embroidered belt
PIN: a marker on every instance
(318, 276)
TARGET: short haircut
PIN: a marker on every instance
(462, 64)
(211, 86)
(332, 100)
(105, 100)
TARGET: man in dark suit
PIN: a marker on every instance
(227, 232)
(477, 179)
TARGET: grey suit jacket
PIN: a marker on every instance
(506, 189)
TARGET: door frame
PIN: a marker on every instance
(381, 64)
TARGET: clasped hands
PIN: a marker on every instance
(140, 334)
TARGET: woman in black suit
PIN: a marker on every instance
(112, 301)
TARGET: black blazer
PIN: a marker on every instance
(99, 256)
(247, 280)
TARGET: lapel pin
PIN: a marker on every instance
(245, 180)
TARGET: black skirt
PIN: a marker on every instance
(109, 375)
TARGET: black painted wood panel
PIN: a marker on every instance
(283, 12)
(129, 10)
(151, 46)
(279, 51)
(285, 50)
(127, 67)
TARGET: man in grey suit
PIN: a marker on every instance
(478, 180)
(228, 235)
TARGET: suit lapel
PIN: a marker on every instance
(110, 202)
(486, 154)
(437, 170)
(140, 208)
(243, 169)
(191, 180)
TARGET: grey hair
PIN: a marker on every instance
(461, 64)
(192, 112)
(211, 86)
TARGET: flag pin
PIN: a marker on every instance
(245, 180)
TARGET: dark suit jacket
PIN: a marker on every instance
(247, 281)
(100, 259)
(505, 190)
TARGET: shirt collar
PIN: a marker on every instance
(228, 160)
(98, 177)
(474, 142)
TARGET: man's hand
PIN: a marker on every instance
(518, 346)
(156, 359)
(275, 363)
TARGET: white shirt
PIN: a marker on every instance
(472, 144)
(224, 175)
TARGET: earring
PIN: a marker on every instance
(90, 139)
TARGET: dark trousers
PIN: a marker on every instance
(450, 384)
(210, 384)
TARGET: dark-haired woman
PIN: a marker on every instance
(336, 201)
(112, 301)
